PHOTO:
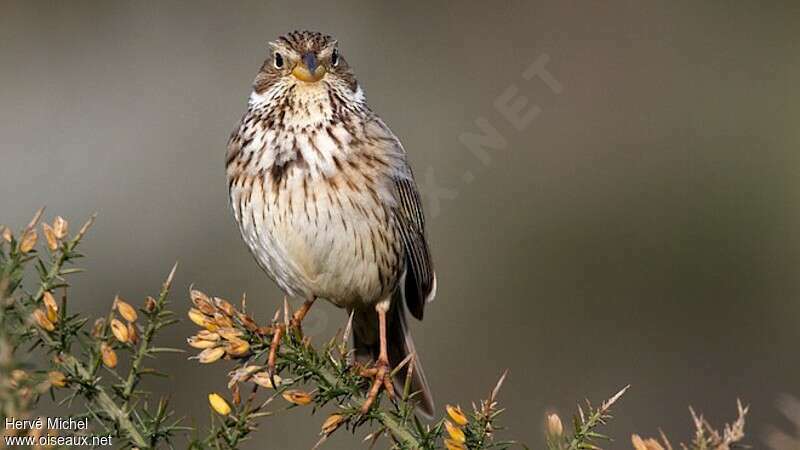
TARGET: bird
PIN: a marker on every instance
(326, 201)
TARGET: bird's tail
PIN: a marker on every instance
(366, 342)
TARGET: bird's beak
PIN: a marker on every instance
(309, 69)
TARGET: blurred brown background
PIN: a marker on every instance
(642, 229)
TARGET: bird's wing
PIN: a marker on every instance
(420, 281)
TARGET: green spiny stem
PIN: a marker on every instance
(144, 346)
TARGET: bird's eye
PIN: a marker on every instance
(335, 57)
(278, 60)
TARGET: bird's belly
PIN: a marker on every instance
(318, 238)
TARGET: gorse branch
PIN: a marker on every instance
(77, 363)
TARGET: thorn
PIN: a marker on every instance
(85, 227)
(171, 276)
(405, 361)
(348, 329)
(36, 217)
(497, 387)
(321, 440)
(286, 311)
(607, 404)
(276, 316)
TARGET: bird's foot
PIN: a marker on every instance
(381, 375)
(296, 322)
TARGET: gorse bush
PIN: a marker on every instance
(78, 363)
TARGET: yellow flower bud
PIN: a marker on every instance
(229, 333)
(60, 227)
(125, 310)
(40, 317)
(57, 379)
(297, 397)
(196, 342)
(133, 333)
(263, 379)
(218, 404)
(28, 241)
(150, 304)
(645, 444)
(198, 317)
(554, 426)
(208, 335)
(225, 306)
(50, 236)
(237, 347)
(7, 234)
(457, 415)
(453, 445)
(50, 306)
(119, 330)
(108, 355)
(456, 433)
(211, 355)
(333, 422)
(202, 302)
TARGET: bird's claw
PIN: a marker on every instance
(381, 375)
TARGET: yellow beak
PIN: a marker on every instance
(308, 69)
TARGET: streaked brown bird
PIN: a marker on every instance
(326, 201)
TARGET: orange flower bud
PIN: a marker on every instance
(50, 306)
(50, 236)
(28, 241)
(125, 310)
(40, 317)
(297, 397)
(237, 347)
(57, 379)
(60, 227)
(211, 355)
(264, 380)
(150, 304)
(554, 426)
(332, 423)
(108, 355)
(120, 331)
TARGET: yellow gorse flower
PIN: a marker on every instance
(453, 445)
(456, 433)
(456, 415)
(218, 404)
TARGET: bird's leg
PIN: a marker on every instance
(300, 314)
(381, 372)
(273, 353)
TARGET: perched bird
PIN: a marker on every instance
(326, 202)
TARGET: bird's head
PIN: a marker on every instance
(305, 61)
